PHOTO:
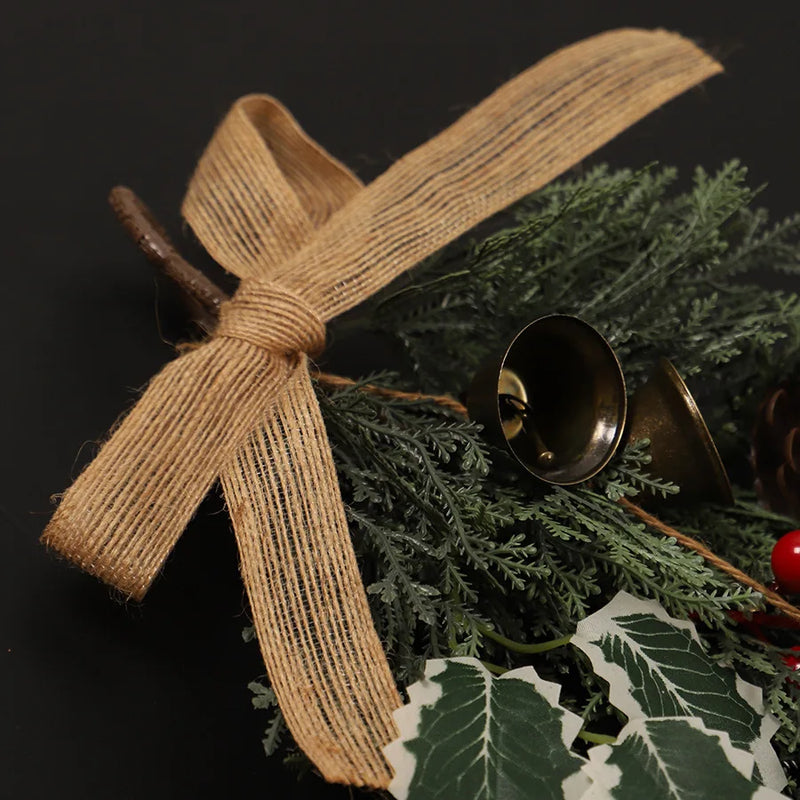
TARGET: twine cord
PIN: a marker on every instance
(443, 400)
(773, 598)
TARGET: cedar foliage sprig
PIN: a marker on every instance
(653, 271)
(453, 541)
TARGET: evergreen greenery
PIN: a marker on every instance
(456, 546)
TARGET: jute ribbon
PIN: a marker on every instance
(309, 242)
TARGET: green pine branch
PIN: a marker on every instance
(457, 549)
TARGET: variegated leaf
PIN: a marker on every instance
(656, 667)
(465, 734)
(675, 758)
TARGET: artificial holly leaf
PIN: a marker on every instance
(465, 734)
(656, 667)
(673, 758)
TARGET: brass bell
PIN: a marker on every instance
(555, 399)
(682, 450)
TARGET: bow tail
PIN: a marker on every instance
(122, 516)
(323, 656)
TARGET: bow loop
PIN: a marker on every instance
(273, 319)
(261, 188)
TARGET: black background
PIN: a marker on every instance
(100, 699)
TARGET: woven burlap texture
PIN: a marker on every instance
(310, 242)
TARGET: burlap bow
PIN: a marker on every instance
(309, 242)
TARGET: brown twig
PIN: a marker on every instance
(204, 296)
(151, 238)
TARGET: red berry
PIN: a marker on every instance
(786, 562)
(793, 662)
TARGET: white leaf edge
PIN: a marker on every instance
(767, 761)
(407, 720)
(605, 777)
(426, 693)
(591, 629)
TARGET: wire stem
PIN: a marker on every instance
(521, 647)
(596, 738)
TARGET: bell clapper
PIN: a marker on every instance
(545, 457)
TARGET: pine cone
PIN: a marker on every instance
(775, 450)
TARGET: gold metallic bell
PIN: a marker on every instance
(555, 398)
(683, 452)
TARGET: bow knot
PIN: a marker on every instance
(272, 318)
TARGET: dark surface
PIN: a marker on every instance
(100, 699)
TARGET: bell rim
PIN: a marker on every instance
(622, 403)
